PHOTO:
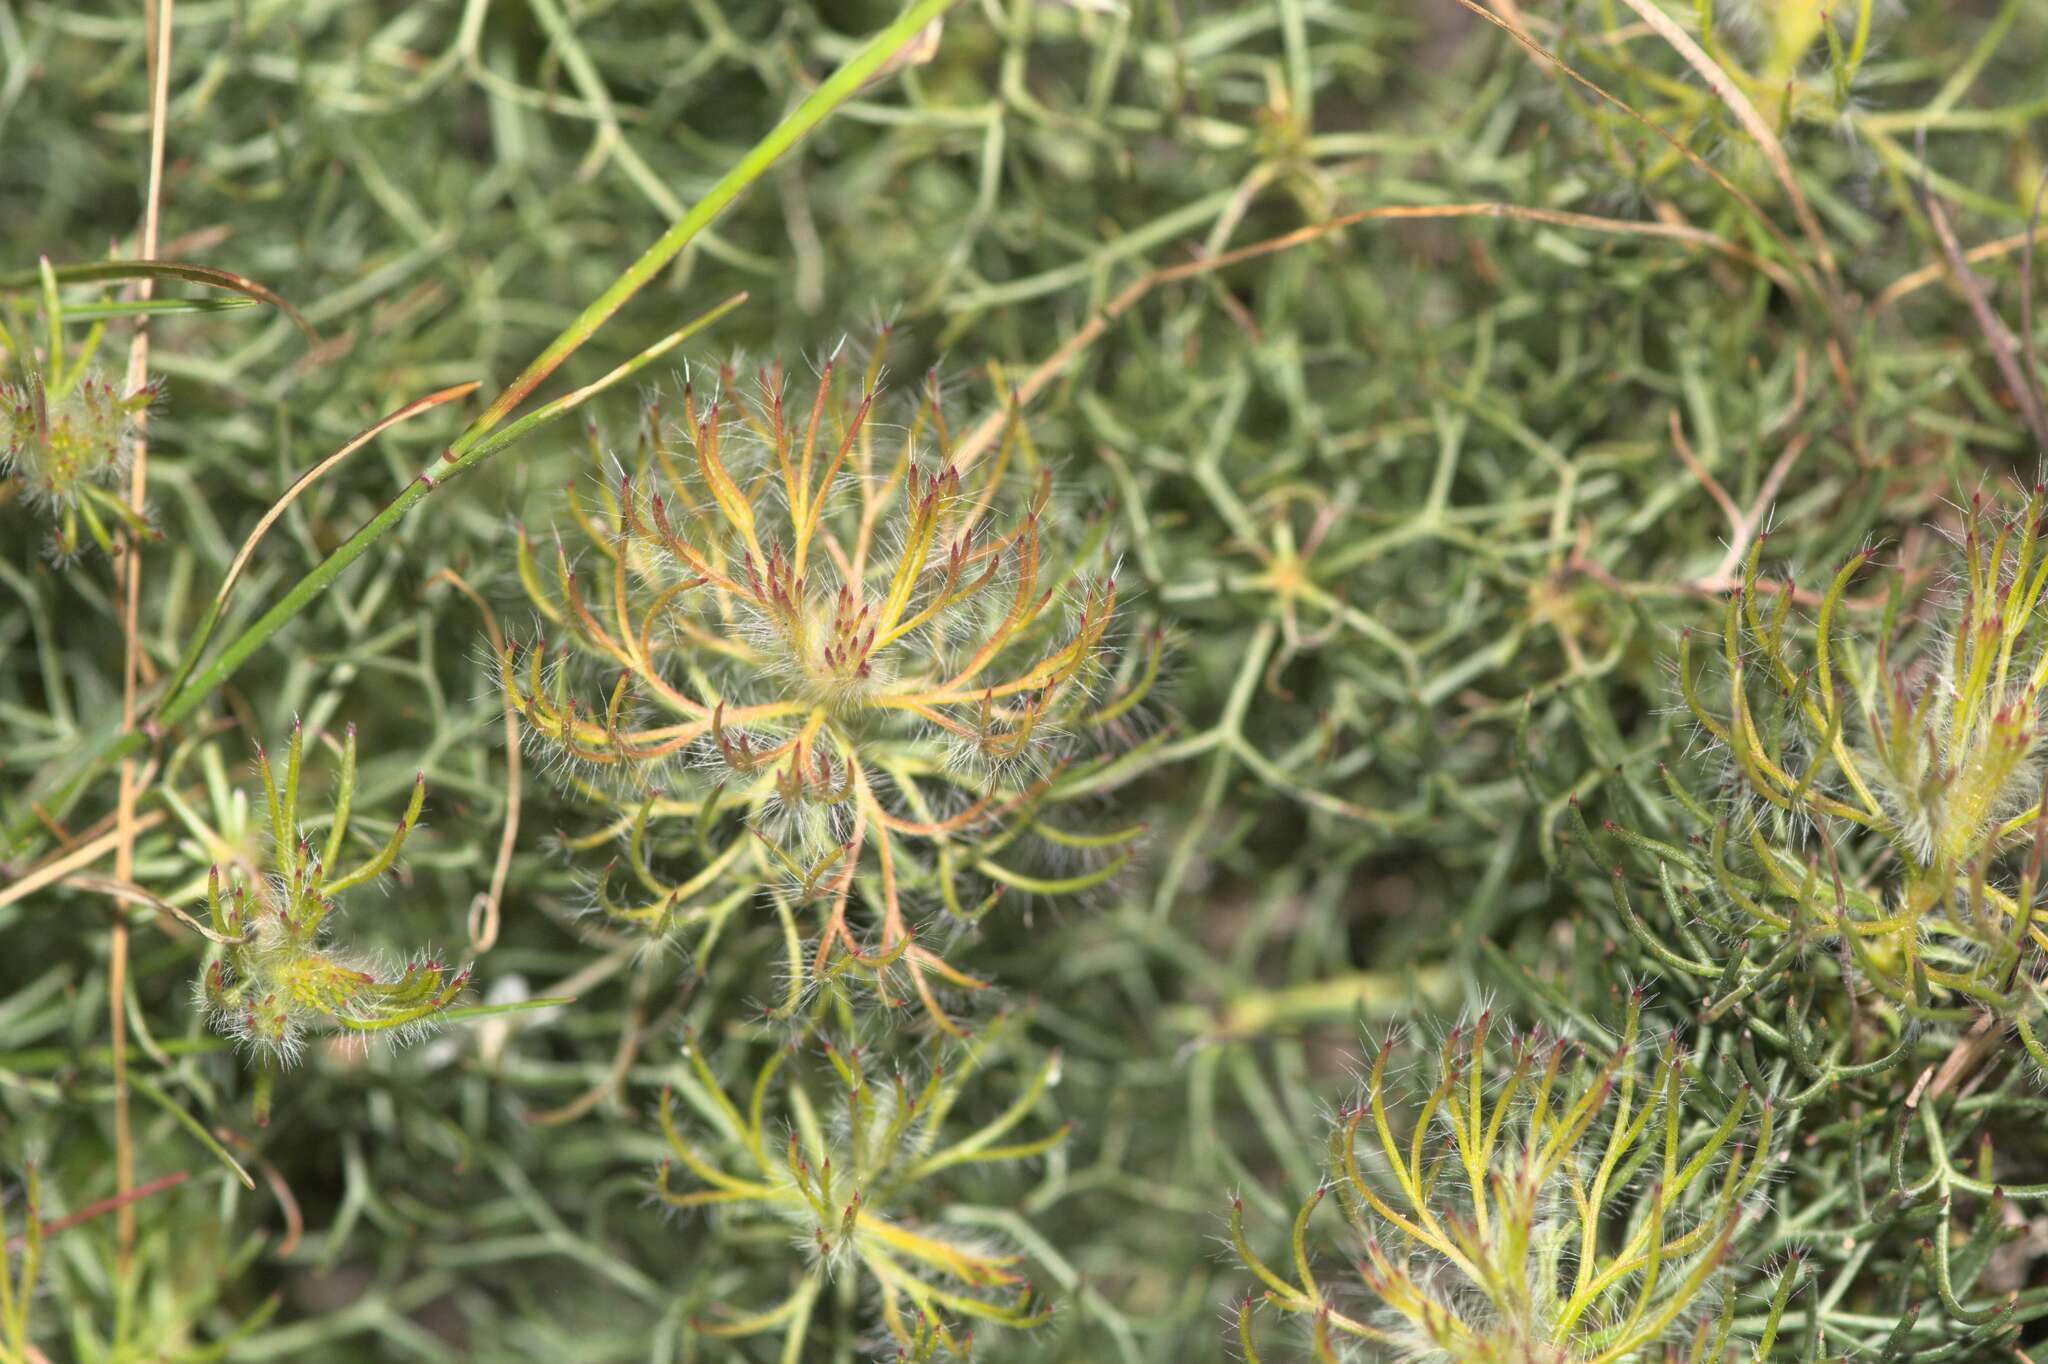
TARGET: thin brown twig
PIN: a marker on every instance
(218, 608)
(2027, 348)
(1752, 123)
(1511, 14)
(1693, 158)
(1967, 1052)
(989, 428)
(2005, 348)
(1700, 472)
(101, 1208)
(129, 893)
(287, 1202)
(84, 855)
(1910, 566)
(630, 1039)
(157, 15)
(1919, 1088)
(1935, 271)
(1742, 525)
(313, 475)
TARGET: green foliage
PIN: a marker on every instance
(122, 1305)
(1417, 380)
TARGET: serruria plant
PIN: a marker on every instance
(1844, 895)
(1562, 1206)
(1886, 782)
(858, 1180)
(67, 437)
(275, 977)
(839, 662)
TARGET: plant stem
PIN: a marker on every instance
(158, 16)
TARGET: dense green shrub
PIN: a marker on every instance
(1332, 518)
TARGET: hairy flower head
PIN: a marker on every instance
(872, 654)
(1562, 1207)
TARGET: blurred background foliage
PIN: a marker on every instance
(1419, 504)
